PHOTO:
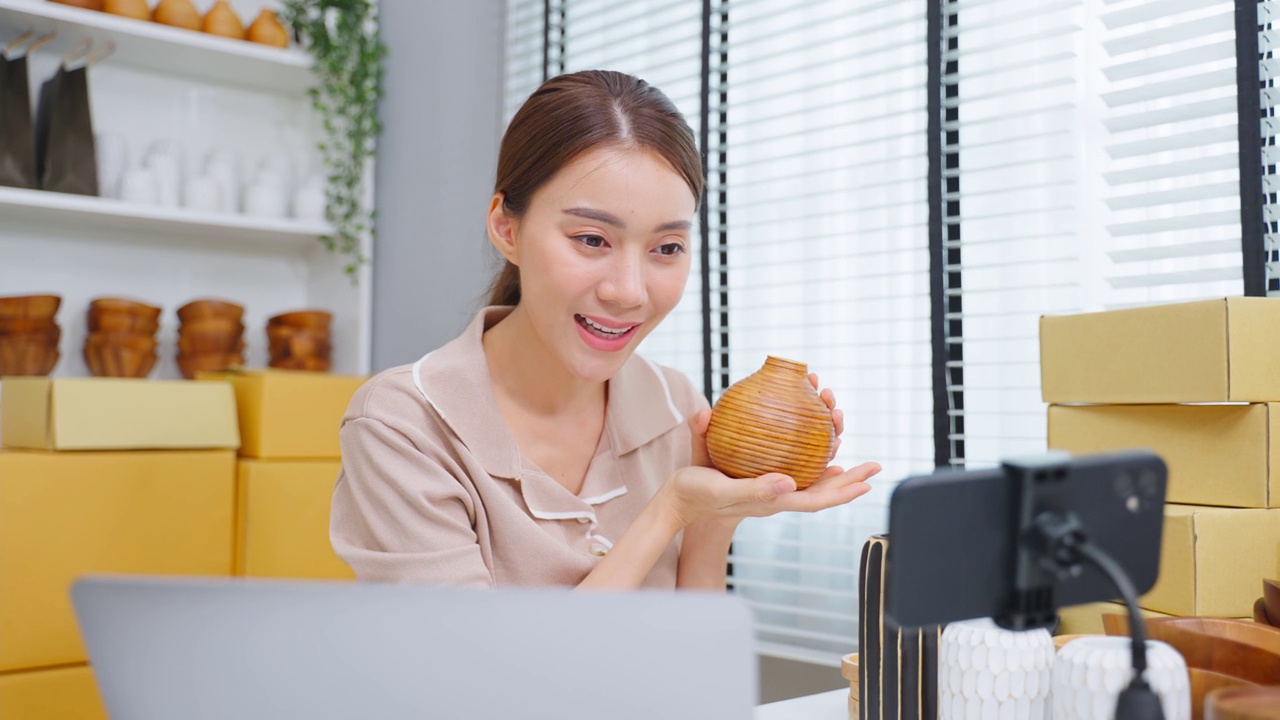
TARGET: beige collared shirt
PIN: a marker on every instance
(433, 488)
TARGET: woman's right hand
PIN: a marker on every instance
(697, 492)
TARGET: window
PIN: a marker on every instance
(897, 191)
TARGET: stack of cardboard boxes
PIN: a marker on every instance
(106, 476)
(289, 459)
(1199, 384)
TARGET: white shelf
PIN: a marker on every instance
(166, 49)
(178, 225)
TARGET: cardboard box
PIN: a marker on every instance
(1206, 351)
(1226, 455)
(282, 520)
(116, 414)
(1087, 619)
(67, 693)
(63, 515)
(289, 413)
(1213, 560)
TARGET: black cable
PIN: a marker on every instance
(1138, 701)
(1137, 628)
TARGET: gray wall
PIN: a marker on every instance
(441, 114)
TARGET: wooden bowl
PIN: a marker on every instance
(212, 326)
(299, 345)
(1247, 703)
(110, 321)
(110, 360)
(124, 306)
(210, 344)
(132, 341)
(1239, 648)
(205, 309)
(311, 364)
(1260, 612)
(18, 358)
(17, 327)
(1271, 598)
(1204, 682)
(304, 319)
(30, 307)
(189, 365)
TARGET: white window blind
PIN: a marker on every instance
(1099, 170)
(659, 41)
(826, 242)
(525, 53)
(1269, 69)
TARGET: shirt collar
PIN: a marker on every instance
(640, 409)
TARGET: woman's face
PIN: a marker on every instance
(604, 253)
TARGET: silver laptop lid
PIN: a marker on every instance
(224, 649)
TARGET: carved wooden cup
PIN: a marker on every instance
(772, 421)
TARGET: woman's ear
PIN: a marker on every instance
(502, 228)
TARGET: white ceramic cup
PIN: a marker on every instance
(112, 156)
(138, 185)
(203, 193)
(167, 168)
(266, 197)
(309, 200)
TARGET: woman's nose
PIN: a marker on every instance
(624, 284)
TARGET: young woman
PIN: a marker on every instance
(537, 448)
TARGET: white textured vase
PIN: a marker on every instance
(1090, 672)
(988, 673)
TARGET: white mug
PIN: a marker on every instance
(203, 193)
(310, 201)
(167, 168)
(113, 157)
(266, 198)
(138, 185)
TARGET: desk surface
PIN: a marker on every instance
(833, 705)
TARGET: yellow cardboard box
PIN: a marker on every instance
(1213, 560)
(289, 413)
(282, 520)
(63, 515)
(1217, 454)
(66, 693)
(1087, 619)
(1206, 351)
(116, 414)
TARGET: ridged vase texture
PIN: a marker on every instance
(772, 421)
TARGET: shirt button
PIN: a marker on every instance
(583, 520)
(599, 550)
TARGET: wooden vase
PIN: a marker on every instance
(136, 9)
(178, 13)
(267, 30)
(772, 421)
(86, 4)
(222, 20)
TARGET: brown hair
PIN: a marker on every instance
(573, 114)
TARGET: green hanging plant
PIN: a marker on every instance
(343, 37)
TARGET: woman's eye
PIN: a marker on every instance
(591, 241)
(670, 249)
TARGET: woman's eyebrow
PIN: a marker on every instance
(615, 221)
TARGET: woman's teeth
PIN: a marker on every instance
(601, 330)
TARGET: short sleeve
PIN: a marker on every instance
(399, 515)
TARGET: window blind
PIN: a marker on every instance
(1269, 100)
(1098, 171)
(825, 240)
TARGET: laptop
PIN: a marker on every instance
(240, 649)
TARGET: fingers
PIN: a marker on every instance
(837, 419)
(698, 424)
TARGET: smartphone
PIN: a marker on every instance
(955, 537)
